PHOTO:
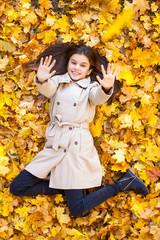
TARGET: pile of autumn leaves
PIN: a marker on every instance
(126, 133)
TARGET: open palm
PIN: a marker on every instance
(108, 78)
(44, 69)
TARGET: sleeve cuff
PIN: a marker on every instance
(39, 82)
(108, 92)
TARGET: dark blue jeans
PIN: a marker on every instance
(25, 184)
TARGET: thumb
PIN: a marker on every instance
(52, 73)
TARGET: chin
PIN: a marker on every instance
(75, 78)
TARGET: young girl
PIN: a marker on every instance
(76, 79)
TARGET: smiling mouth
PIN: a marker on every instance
(75, 73)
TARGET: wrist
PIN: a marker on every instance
(106, 89)
(39, 81)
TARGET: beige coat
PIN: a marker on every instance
(69, 153)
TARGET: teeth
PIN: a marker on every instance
(75, 73)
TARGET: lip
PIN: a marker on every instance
(75, 73)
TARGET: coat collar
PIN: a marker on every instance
(65, 78)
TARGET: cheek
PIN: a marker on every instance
(69, 66)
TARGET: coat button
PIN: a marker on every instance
(76, 143)
(74, 104)
(70, 128)
(58, 103)
(64, 150)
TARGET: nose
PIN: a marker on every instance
(76, 66)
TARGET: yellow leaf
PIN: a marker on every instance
(46, 4)
(4, 161)
(53, 232)
(7, 46)
(50, 20)
(23, 211)
(148, 212)
(125, 120)
(3, 63)
(122, 19)
(24, 227)
(4, 170)
(141, 6)
(30, 117)
(139, 166)
(119, 156)
(156, 20)
(127, 75)
(58, 198)
(62, 218)
(157, 187)
(50, 36)
(66, 38)
(12, 15)
(2, 151)
(30, 18)
(123, 167)
(63, 23)
(96, 128)
(109, 109)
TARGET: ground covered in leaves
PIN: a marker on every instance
(125, 133)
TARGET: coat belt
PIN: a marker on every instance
(57, 126)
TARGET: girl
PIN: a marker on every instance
(76, 79)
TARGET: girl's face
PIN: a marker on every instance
(78, 67)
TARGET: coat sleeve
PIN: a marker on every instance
(47, 88)
(98, 96)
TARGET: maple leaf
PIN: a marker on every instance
(119, 155)
(7, 46)
(141, 6)
(61, 216)
(154, 174)
(127, 75)
(3, 63)
(114, 29)
(127, 130)
(127, 95)
(148, 212)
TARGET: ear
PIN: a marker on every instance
(89, 71)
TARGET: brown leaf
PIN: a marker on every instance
(154, 174)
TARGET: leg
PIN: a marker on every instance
(79, 204)
(26, 184)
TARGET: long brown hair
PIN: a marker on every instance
(62, 53)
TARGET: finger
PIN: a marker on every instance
(52, 64)
(45, 61)
(110, 68)
(49, 60)
(41, 61)
(52, 73)
(103, 70)
(99, 79)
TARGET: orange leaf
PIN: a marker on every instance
(154, 174)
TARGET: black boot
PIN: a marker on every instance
(130, 182)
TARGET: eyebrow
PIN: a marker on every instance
(72, 59)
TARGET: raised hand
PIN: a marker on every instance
(44, 69)
(108, 78)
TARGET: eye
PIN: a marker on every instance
(83, 65)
